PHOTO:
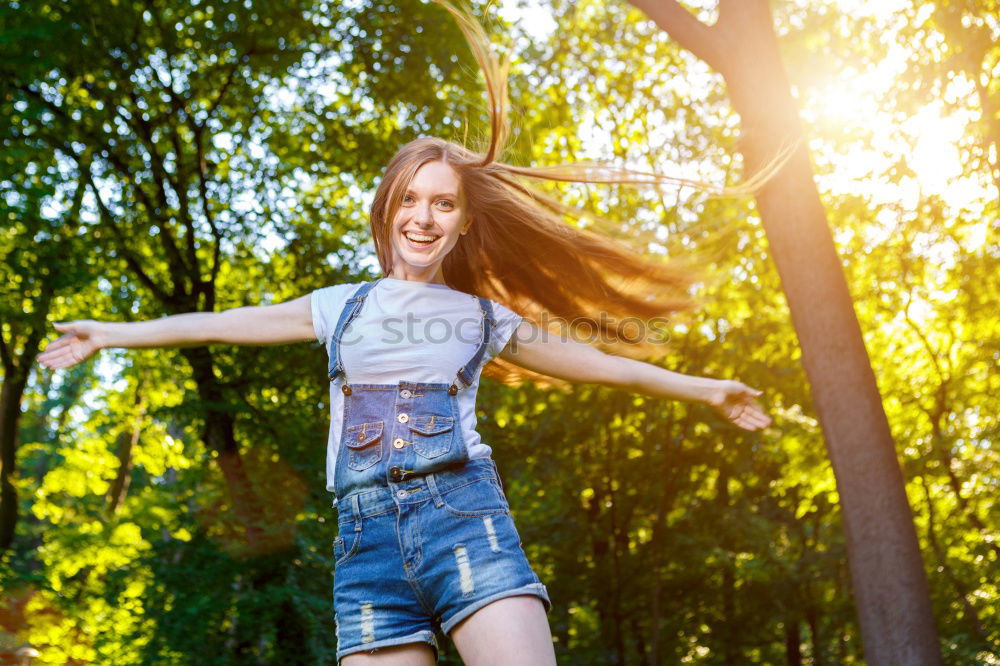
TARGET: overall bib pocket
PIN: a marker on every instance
(432, 435)
(364, 442)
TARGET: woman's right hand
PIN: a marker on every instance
(79, 341)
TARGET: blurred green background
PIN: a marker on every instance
(168, 506)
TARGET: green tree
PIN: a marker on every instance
(664, 536)
(887, 570)
(40, 205)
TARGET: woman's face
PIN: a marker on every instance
(428, 224)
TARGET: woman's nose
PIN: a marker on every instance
(423, 217)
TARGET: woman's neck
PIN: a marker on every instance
(430, 274)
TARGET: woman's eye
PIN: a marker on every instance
(407, 198)
(446, 204)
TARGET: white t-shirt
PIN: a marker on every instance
(408, 331)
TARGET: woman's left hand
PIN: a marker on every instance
(737, 403)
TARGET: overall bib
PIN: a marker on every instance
(425, 535)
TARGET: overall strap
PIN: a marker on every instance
(352, 308)
(467, 373)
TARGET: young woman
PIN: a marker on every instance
(425, 540)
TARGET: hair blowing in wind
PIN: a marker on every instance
(521, 249)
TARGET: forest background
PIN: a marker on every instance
(168, 506)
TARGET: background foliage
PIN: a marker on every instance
(203, 154)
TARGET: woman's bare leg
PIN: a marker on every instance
(506, 632)
(411, 654)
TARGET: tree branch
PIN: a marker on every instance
(130, 259)
(175, 261)
(222, 92)
(207, 287)
(31, 344)
(700, 39)
(161, 178)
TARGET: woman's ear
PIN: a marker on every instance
(465, 228)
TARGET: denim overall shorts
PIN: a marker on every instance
(425, 536)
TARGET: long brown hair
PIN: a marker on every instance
(519, 250)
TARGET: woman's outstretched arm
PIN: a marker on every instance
(260, 325)
(558, 357)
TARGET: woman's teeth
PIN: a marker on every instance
(420, 238)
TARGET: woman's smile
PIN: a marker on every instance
(420, 240)
(430, 220)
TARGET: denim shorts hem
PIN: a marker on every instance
(419, 637)
(534, 589)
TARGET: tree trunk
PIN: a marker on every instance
(889, 583)
(16, 369)
(793, 642)
(218, 436)
(670, 488)
(14, 382)
(729, 625)
(119, 487)
(614, 547)
(815, 636)
(126, 443)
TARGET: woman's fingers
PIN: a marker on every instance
(755, 422)
(59, 343)
(746, 413)
(746, 421)
(73, 346)
(59, 358)
(756, 414)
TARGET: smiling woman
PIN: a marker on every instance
(428, 223)
(426, 541)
